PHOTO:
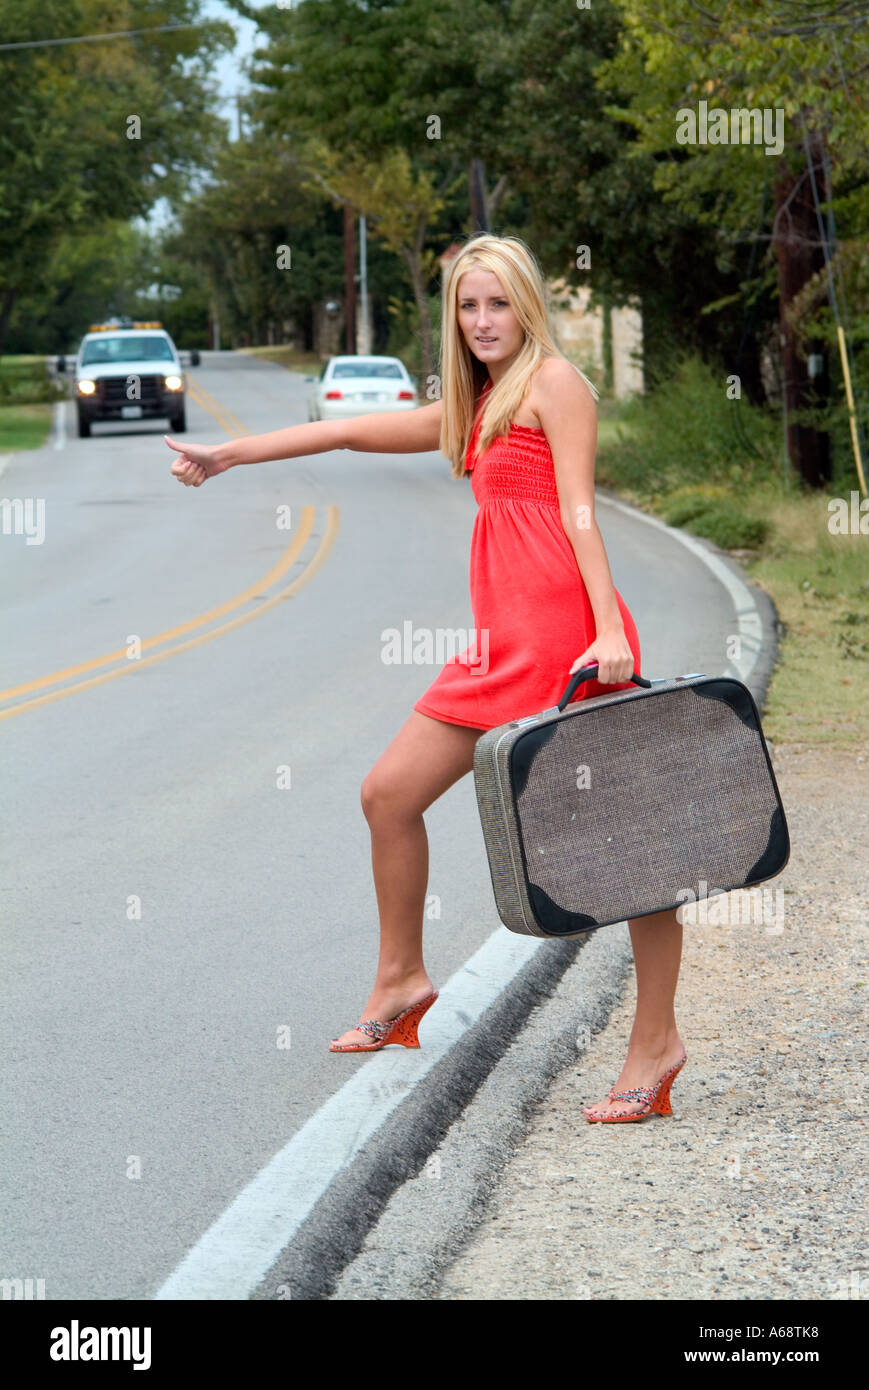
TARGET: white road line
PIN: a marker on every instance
(748, 620)
(60, 424)
(237, 1251)
(234, 1255)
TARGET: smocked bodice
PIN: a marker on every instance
(519, 468)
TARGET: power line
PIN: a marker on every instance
(97, 38)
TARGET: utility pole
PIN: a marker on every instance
(363, 285)
(800, 255)
(477, 191)
(350, 279)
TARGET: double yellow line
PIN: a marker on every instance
(233, 426)
(224, 417)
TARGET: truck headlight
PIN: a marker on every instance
(173, 383)
(86, 387)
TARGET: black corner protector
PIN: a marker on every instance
(555, 920)
(733, 694)
(777, 852)
(523, 753)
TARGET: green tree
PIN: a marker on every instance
(263, 245)
(807, 61)
(400, 206)
(341, 81)
(89, 275)
(508, 86)
(94, 130)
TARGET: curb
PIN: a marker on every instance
(335, 1232)
(431, 1218)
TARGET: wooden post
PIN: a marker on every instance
(800, 254)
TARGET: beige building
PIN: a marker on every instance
(580, 334)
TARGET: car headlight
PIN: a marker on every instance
(173, 383)
(86, 387)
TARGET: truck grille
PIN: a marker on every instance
(113, 390)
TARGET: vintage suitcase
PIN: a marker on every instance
(627, 803)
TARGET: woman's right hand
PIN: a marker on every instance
(195, 462)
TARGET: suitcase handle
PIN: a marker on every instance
(586, 673)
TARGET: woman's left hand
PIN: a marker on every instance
(612, 652)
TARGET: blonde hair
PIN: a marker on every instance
(463, 375)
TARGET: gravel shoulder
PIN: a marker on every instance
(755, 1187)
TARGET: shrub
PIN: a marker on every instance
(725, 525)
(684, 504)
(27, 383)
(685, 432)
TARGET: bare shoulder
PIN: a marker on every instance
(556, 386)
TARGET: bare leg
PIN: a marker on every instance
(425, 758)
(655, 1044)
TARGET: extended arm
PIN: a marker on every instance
(386, 432)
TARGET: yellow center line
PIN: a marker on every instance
(222, 418)
(134, 665)
(290, 555)
(208, 402)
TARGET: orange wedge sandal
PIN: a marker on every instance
(656, 1099)
(401, 1029)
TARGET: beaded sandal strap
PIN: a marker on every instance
(644, 1095)
(374, 1028)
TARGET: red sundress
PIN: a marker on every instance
(532, 614)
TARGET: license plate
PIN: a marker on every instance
(370, 395)
(131, 412)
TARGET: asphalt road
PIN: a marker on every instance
(171, 914)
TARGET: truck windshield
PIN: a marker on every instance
(126, 350)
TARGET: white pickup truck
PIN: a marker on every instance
(129, 373)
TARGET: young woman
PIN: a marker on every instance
(521, 420)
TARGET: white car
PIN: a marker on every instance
(129, 373)
(358, 385)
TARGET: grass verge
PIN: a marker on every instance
(292, 358)
(24, 427)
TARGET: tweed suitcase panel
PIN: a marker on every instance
(625, 804)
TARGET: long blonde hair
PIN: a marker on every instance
(463, 375)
